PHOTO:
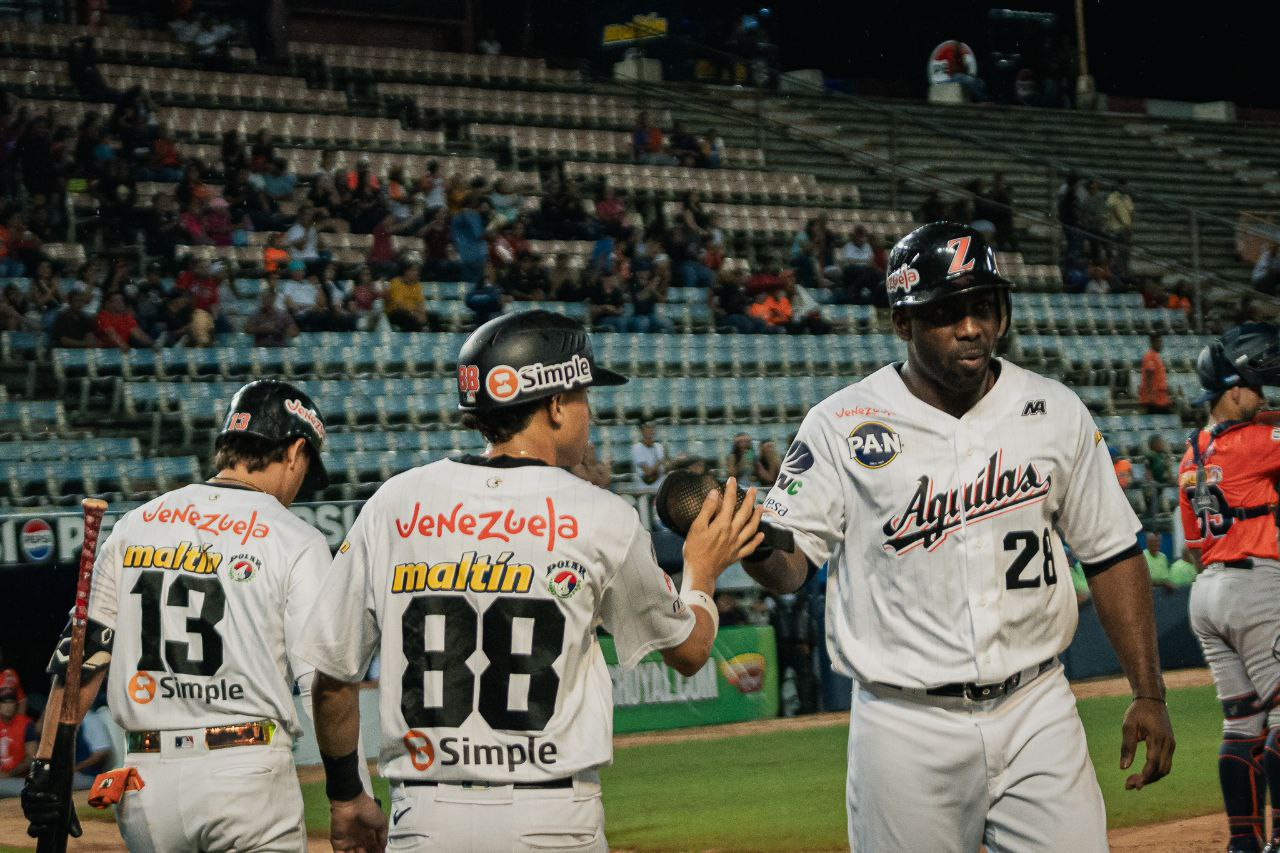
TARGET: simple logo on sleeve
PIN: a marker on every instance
(564, 578)
(244, 567)
(799, 459)
(874, 445)
(1033, 407)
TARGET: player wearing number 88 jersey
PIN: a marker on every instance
(937, 490)
(481, 582)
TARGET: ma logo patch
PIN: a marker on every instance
(1033, 407)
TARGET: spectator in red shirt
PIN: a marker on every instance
(117, 327)
(611, 210)
(216, 222)
(164, 164)
(17, 744)
(200, 282)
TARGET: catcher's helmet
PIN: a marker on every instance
(1248, 354)
(278, 411)
(941, 260)
(526, 356)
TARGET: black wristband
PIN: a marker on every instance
(342, 777)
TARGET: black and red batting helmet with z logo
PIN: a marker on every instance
(277, 411)
(941, 260)
(525, 356)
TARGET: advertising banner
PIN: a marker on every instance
(739, 683)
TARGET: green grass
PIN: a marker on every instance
(1192, 787)
(785, 790)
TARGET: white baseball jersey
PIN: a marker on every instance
(482, 586)
(204, 588)
(942, 533)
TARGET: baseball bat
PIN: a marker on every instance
(62, 761)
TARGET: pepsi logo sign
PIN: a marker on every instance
(37, 540)
(873, 444)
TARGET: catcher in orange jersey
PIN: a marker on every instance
(1227, 492)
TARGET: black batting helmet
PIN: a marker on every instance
(277, 411)
(526, 356)
(941, 260)
(1248, 355)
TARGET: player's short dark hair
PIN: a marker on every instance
(253, 452)
(503, 424)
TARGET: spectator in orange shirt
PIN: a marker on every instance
(773, 309)
(1153, 391)
(274, 254)
(17, 747)
(1123, 468)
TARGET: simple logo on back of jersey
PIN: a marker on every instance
(564, 578)
(873, 444)
(244, 567)
(37, 539)
(476, 572)
(932, 515)
(142, 687)
(422, 754)
(1033, 407)
(799, 459)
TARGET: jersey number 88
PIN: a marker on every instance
(464, 631)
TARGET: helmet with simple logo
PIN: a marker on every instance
(525, 356)
(941, 260)
(1245, 355)
(277, 411)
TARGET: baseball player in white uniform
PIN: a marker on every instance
(195, 597)
(482, 583)
(937, 491)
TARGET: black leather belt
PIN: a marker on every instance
(567, 782)
(1246, 563)
(980, 692)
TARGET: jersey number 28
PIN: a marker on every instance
(464, 631)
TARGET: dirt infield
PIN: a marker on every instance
(1206, 834)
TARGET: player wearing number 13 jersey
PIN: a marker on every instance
(939, 491)
(195, 597)
(482, 582)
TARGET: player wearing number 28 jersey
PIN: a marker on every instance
(482, 582)
(938, 491)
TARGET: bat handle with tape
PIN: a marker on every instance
(62, 761)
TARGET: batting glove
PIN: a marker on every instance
(46, 809)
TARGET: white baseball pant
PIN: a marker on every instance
(949, 774)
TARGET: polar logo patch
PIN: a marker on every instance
(873, 444)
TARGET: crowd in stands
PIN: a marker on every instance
(458, 227)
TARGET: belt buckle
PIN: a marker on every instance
(980, 692)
